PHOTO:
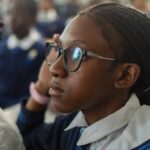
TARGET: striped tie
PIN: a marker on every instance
(85, 146)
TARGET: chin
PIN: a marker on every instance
(61, 108)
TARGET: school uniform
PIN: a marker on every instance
(125, 129)
(20, 61)
(48, 29)
(49, 23)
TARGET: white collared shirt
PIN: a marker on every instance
(25, 43)
(47, 16)
(122, 130)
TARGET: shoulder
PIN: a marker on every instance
(136, 134)
(137, 131)
(141, 118)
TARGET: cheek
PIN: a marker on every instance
(91, 88)
(83, 89)
(77, 92)
(87, 85)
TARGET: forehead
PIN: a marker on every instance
(18, 6)
(87, 32)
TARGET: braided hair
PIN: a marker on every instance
(128, 34)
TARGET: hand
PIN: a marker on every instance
(42, 85)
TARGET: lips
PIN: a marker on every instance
(55, 89)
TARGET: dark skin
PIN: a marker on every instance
(140, 4)
(42, 85)
(97, 88)
(21, 21)
(1, 24)
(46, 5)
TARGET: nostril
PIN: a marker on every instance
(52, 71)
(57, 68)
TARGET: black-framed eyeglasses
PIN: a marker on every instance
(72, 56)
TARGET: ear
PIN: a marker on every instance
(127, 75)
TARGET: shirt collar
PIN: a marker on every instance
(25, 43)
(47, 16)
(105, 126)
(78, 121)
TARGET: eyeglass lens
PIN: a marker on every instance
(72, 56)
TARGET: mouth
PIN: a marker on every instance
(55, 90)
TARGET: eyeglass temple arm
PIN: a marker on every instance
(98, 56)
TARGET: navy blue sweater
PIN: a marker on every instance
(48, 29)
(40, 136)
(17, 69)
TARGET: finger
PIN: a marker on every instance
(56, 37)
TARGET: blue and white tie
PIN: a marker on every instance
(82, 147)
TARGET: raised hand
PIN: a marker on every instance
(44, 77)
(42, 84)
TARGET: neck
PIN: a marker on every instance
(22, 36)
(105, 109)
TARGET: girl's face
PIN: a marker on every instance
(91, 87)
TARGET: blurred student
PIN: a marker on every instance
(21, 53)
(48, 20)
(141, 5)
(10, 138)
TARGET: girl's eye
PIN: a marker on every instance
(77, 53)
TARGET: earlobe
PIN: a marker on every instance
(128, 74)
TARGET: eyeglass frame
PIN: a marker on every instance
(61, 51)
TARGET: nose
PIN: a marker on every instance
(57, 68)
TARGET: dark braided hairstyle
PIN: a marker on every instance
(128, 34)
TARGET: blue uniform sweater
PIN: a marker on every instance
(48, 29)
(39, 136)
(17, 69)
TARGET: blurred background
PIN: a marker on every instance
(59, 12)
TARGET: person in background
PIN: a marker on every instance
(47, 11)
(48, 20)
(10, 138)
(99, 75)
(141, 5)
(21, 53)
(68, 9)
